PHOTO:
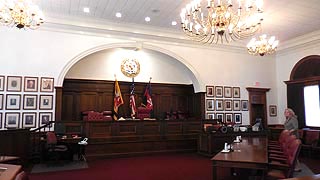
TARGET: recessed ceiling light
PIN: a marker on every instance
(147, 19)
(173, 23)
(86, 10)
(118, 15)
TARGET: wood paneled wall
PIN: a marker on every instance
(78, 95)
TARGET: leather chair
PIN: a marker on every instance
(143, 112)
(281, 168)
(22, 176)
(309, 137)
(54, 150)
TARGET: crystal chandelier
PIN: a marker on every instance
(221, 20)
(20, 13)
(262, 46)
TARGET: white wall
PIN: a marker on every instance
(53, 53)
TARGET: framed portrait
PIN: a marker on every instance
(219, 91)
(220, 116)
(30, 101)
(210, 104)
(30, 84)
(227, 92)
(46, 84)
(14, 83)
(2, 83)
(273, 110)
(45, 102)
(29, 120)
(219, 104)
(236, 92)
(12, 120)
(229, 118)
(13, 102)
(44, 118)
(244, 105)
(210, 115)
(228, 105)
(210, 91)
(0, 120)
(237, 118)
(236, 105)
(1, 101)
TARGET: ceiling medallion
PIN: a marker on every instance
(130, 67)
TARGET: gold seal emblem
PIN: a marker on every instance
(130, 67)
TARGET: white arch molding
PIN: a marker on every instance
(194, 75)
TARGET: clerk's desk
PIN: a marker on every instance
(251, 153)
(9, 171)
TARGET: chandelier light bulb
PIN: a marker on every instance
(228, 19)
(262, 46)
(20, 13)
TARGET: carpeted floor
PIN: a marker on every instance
(41, 168)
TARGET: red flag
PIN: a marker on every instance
(117, 100)
(132, 100)
(147, 94)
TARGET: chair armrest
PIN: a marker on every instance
(279, 159)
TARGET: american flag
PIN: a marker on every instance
(132, 100)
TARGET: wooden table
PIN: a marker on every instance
(251, 153)
(314, 177)
(8, 159)
(9, 171)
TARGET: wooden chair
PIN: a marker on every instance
(309, 137)
(281, 168)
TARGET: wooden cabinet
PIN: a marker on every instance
(258, 105)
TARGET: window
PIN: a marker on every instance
(311, 105)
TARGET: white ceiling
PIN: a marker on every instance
(286, 19)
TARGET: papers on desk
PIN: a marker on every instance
(225, 151)
(236, 141)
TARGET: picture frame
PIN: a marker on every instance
(220, 116)
(228, 118)
(236, 92)
(237, 118)
(12, 120)
(14, 83)
(210, 104)
(45, 102)
(45, 118)
(30, 84)
(219, 91)
(29, 119)
(244, 105)
(1, 101)
(228, 105)
(13, 102)
(0, 120)
(273, 110)
(210, 115)
(219, 105)
(46, 84)
(30, 102)
(210, 91)
(236, 105)
(227, 92)
(2, 83)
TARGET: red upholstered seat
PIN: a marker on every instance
(97, 116)
(309, 137)
(143, 112)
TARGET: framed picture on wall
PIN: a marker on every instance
(12, 120)
(46, 84)
(45, 118)
(30, 101)
(219, 91)
(273, 110)
(228, 105)
(210, 91)
(237, 118)
(236, 105)
(46, 102)
(219, 104)
(29, 120)
(1, 101)
(220, 116)
(244, 105)
(228, 118)
(227, 92)
(13, 102)
(210, 104)
(30, 84)
(236, 92)
(14, 83)
(210, 115)
(2, 83)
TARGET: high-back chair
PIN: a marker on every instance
(55, 151)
